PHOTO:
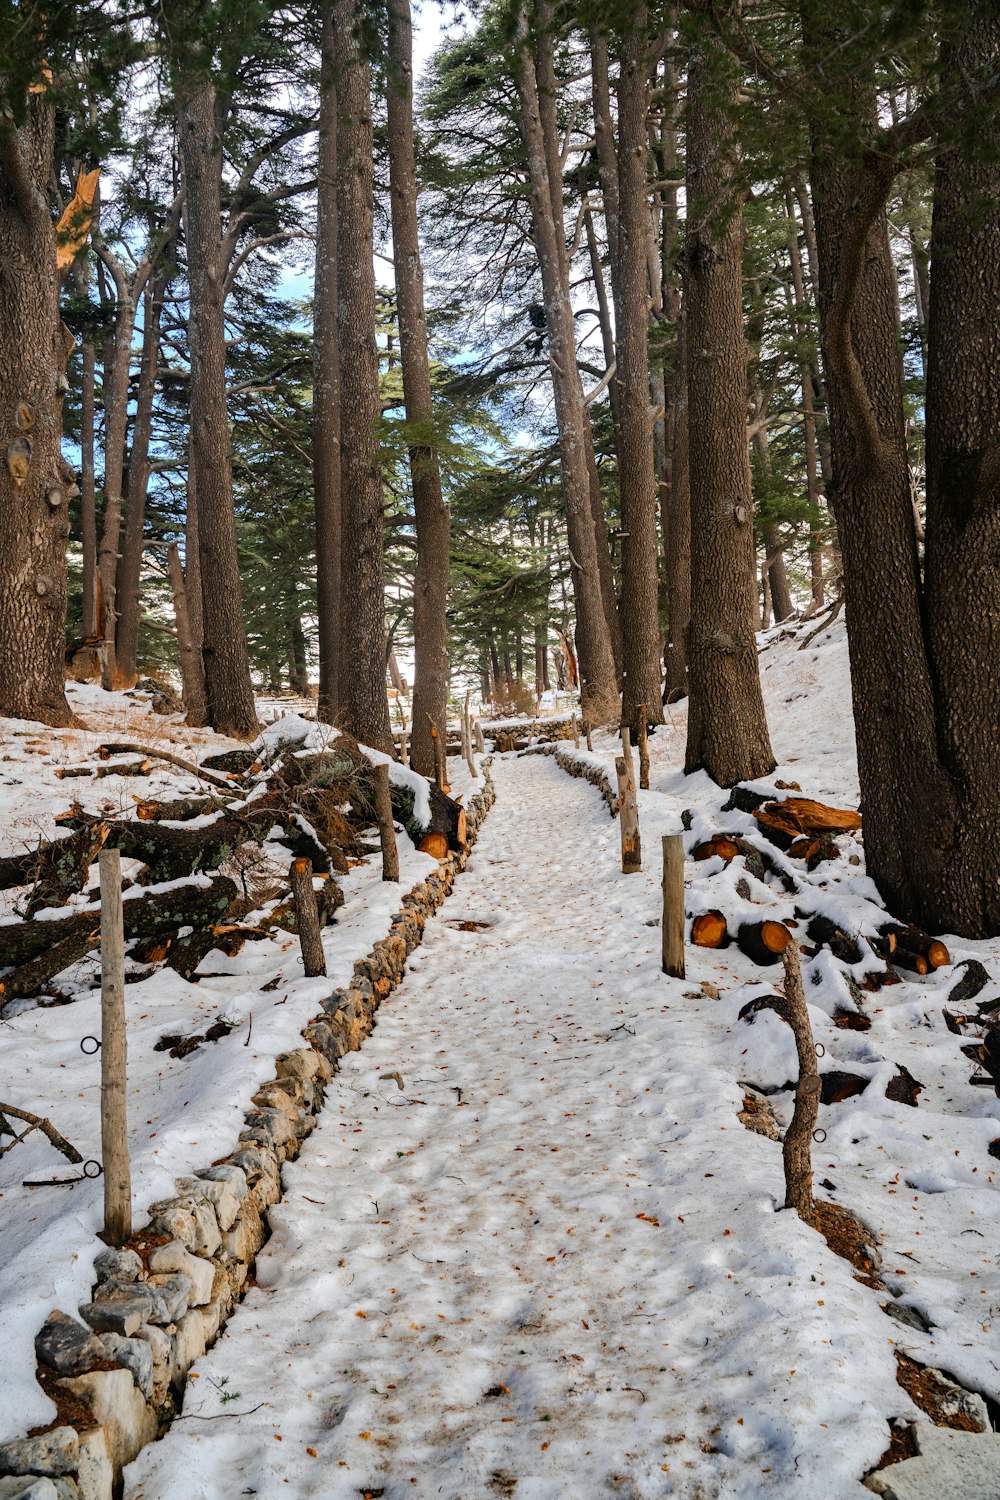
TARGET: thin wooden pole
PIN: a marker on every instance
(672, 927)
(627, 752)
(114, 1055)
(386, 827)
(480, 741)
(440, 758)
(576, 733)
(643, 750)
(586, 726)
(467, 731)
(300, 875)
(797, 1145)
(628, 818)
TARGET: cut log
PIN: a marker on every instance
(785, 822)
(826, 933)
(915, 963)
(628, 814)
(719, 844)
(708, 930)
(912, 940)
(32, 977)
(813, 850)
(195, 905)
(446, 828)
(838, 1086)
(179, 810)
(973, 979)
(763, 942)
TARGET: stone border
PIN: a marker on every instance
(162, 1300)
(594, 774)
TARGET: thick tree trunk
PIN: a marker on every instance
(326, 391)
(905, 792)
(802, 320)
(224, 647)
(641, 684)
(593, 643)
(433, 525)
(727, 729)
(117, 369)
(677, 529)
(130, 567)
(963, 492)
(33, 501)
(362, 619)
(192, 669)
(88, 506)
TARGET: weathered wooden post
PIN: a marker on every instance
(300, 875)
(576, 733)
(386, 826)
(114, 1055)
(586, 728)
(643, 750)
(440, 757)
(403, 746)
(467, 735)
(797, 1146)
(480, 741)
(627, 752)
(672, 925)
(628, 818)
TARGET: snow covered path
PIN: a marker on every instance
(530, 1250)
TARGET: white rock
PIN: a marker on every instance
(223, 1196)
(95, 1476)
(175, 1259)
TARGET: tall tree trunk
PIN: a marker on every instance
(224, 645)
(298, 670)
(593, 642)
(189, 656)
(117, 370)
(727, 729)
(326, 390)
(86, 663)
(905, 793)
(33, 500)
(802, 322)
(433, 525)
(677, 531)
(963, 489)
(362, 667)
(130, 567)
(637, 481)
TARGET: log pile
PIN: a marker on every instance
(203, 856)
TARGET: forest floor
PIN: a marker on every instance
(530, 1249)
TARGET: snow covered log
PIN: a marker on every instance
(195, 903)
(435, 828)
(763, 942)
(784, 823)
(913, 949)
(56, 870)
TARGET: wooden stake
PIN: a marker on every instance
(586, 727)
(643, 750)
(114, 1055)
(628, 818)
(467, 735)
(300, 875)
(672, 926)
(576, 733)
(797, 1147)
(402, 747)
(480, 742)
(627, 752)
(386, 827)
(440, 761)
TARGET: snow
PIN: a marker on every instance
(529, 1248)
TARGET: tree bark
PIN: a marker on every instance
(326, 390)
(727, 729)
(593, 643)
(963, 491)
(677, 529)
(224, 647)
(362, 620)
(192, 670)
(130, 566)
(907, 798)
(33, 353)
(88, 508)
(641, 682)
(433, 525)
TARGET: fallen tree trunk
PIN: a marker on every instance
(56, 870)
(827, 934)
(445, 828)
(119, 747)
(194, 904)
(786, 822)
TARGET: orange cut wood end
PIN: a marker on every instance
(435, 844)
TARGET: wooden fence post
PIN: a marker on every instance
(586, 727)
(386, 827)
(672, 928)
(467, 735)
(627, 752)
(114, 1055)
(797, 1146)
(576, 733)
(480, 741)
(628, 818)
(643, 750)
(307, 917)
(440, 757)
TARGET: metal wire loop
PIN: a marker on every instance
(90, 1051)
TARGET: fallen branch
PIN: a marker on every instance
(35, 1122)
(122, 747)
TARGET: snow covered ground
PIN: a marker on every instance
(530, 1250)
